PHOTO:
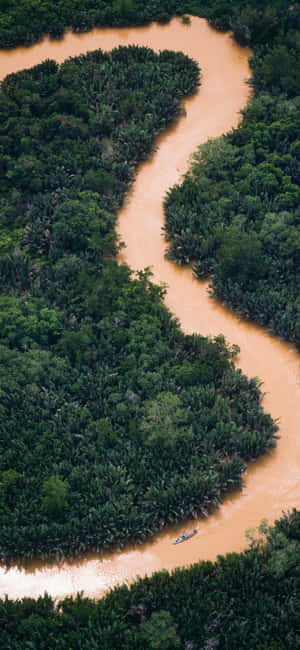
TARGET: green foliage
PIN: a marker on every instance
(124, 8)
(9, 479)
(24, 322)
(244, 601)
(165, 421)
(236, 215)
(54, 495)
(253, 22)
(9, 240)
(158, 632)
(240, 255)
(115, 422)
(89, 353)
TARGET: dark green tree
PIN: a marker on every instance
(240, 255)
(54, 492)
(159, 632)
(165, 421)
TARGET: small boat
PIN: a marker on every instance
(186, 536)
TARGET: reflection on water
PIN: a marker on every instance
(272, 483)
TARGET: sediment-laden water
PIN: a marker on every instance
(273, 482)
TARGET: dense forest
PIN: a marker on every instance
(113, 422)
(25, 21)
(242, 601)
(236, 216)
(107, 408)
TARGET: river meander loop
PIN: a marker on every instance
(272, 483)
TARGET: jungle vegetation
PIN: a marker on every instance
(242, 601)
(92, 362)
(113, 422)
(22, 22)
(236, 215)
(249, 190)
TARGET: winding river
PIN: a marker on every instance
(273, 482)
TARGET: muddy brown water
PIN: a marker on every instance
(272, 483)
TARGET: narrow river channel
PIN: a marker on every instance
(272, 483)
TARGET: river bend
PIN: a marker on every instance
(273, 482)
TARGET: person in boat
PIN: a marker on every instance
(188, 535)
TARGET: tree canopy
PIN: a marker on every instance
(236, 214)
(244, 601)
(115, 423)
(91, 360)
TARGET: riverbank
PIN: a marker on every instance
(272, 484)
